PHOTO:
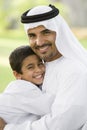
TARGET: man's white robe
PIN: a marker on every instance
(67, 79)
(23, 101)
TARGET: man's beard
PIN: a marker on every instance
(46, 57)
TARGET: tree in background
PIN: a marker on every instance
(77, 12)
(10, 11)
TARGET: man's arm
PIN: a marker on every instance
(72, 119)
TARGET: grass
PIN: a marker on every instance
(84, 42)
(9, 41)
(6, 77)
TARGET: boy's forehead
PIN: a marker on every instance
(33, 57)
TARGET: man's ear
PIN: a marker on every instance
(17, 75)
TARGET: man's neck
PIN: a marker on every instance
(58, 55)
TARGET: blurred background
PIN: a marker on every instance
(12, 32)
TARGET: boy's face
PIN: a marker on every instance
(33, 70)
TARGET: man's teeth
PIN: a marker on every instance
(43, 48)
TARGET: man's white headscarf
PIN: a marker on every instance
(66, 42)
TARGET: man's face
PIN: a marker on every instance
(42, 41)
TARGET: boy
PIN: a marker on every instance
(22, 98)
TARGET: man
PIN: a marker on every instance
(66, 71)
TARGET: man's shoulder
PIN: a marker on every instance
(74, 66)
(70, 65)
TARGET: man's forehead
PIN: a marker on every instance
(40, 28)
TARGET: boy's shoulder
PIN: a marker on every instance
(19, 86)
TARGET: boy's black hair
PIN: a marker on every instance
(18, 55)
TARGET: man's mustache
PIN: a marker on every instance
(46, 44)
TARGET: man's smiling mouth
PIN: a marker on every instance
(43, 48)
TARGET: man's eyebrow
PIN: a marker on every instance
(45, 30)
(31, 34)
(42, 31)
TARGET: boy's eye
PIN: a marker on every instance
(30, 67)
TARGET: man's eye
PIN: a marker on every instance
(46, 32)
(31, 35)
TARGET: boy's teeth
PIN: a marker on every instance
(39, 76)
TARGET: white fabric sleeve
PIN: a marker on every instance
(70, 120)
(26, 97)
(21, 99)
(67, 115)
(38, 125)
(84, 126)
(39, 105)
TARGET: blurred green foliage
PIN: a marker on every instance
(6, 77)
(11, 10)
(6, 46)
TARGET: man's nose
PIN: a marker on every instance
(39, 41)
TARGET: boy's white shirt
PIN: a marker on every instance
(23, 101)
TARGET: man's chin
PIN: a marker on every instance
(44, 57)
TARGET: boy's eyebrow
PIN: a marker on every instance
(29, 65)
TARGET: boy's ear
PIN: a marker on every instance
(17, 75)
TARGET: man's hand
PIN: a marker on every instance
(2, 124)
